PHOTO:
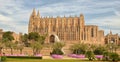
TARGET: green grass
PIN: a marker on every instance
(47, 60)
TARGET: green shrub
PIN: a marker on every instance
(114, 56)
(90, 55)
(99, 50)
(119, 59)
(25, 57)
(3, 58)
(78, 51)
(106, 55)
(57, 51)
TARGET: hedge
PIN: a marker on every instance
(24, 57)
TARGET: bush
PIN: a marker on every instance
(99, 50)
(78, 51)
(57, 56)
(3, 58)
(57, 51)
(25, 57)
(119, 59)
(106, 55)
(114, 56)
(90, 55)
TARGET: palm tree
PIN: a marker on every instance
(57, 48)
(74, 48)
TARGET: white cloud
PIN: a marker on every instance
(107, 23)
(4, 18)
(14, 14)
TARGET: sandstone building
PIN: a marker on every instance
(66, 29)
(15, 35)
(1, 33)
(112, 38)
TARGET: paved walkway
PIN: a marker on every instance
(64, 57)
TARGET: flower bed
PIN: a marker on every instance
(38, 55)
(23, 56)
(76, 56)
(57, 56)
(99, 56)
(15, 55)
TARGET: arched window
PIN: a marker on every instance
(53, 28)
(52, 39)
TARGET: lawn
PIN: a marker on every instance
(47, 60)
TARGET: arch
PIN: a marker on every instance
(53, 38)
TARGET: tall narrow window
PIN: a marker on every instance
(92, 32)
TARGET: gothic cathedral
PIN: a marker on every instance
(65, 29)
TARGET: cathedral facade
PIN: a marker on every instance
(111, 38)
(69, 30)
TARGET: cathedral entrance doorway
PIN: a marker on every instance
(52, 39)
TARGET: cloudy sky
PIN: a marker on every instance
(14, 14)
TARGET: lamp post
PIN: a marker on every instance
(111, 46)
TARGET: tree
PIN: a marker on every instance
(112, 47)
(90, 55)
(92, 47)
(1, 47)
(24, 39)
(20, 46)
(11, 45)
(7, 40)
(115, 47)
(33, 36)
(114, 57)
(58, 45)
(7, 36)
(36, 46)
(79, 48)
(100, 50)
(37, 42)
(41, 39)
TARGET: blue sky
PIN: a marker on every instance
(14, 14)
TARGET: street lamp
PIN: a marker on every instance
(111, 42)
(111, 46)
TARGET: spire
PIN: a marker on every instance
(34, 12)
(38, 14)
(64, 16)
(75, 15)
(110, 32)
(81, 15)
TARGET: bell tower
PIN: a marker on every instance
(32, 21)
(82, 23)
